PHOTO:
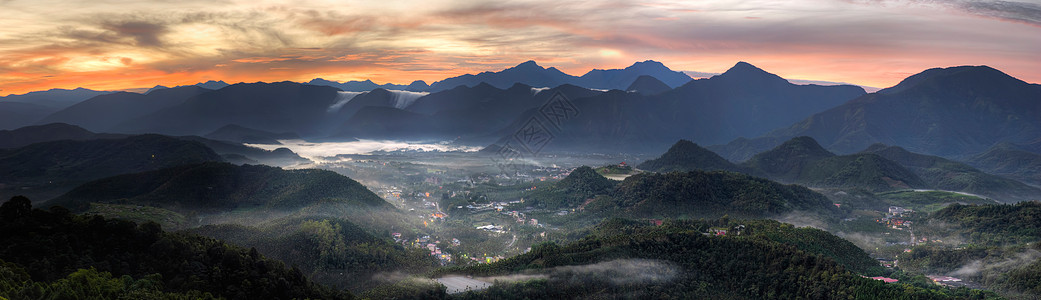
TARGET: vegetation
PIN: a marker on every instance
(676, 260)
(51, 245)
(995, 224)
(335, 252)
(1013, 271)
(708, 194)
(929, 201)
(687, 156)
(214, 186)
(944, 174)
(581, 185)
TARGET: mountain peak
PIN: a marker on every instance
(647, 64)
(648, 85)
(528, 65)
(687, 156)
(747, 72)
(972, 74)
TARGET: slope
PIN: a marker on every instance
(215, 187)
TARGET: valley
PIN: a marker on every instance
(497, 191)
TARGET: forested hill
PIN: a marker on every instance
(678, 261)
(708, 194)
(47, 246)
(222, 186)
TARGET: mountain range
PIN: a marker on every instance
(878, 168)
(947, 112)
(744, 101)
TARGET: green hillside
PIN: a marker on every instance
(52, 246)
(677, 261)
(688, 156)
(214, 187)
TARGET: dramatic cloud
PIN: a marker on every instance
(119, 44)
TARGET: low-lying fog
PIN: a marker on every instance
(319, 151)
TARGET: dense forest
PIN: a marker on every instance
(55, 254)
(335, 252)
(216, 186)
(678, 260)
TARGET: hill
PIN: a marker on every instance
(676, 260)
(946, 112)
(647, 85)
(581, 185)
(688, 156)
(216, 187)
(787, 161)
(239, 134)
(91, 251)
(28, 135)
(802, 160)
(1010, 160)
(944, 174)
(699, 194)
(330, 250)
(50, 168)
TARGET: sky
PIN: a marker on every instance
(113, 45)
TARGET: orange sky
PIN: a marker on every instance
(112, 45)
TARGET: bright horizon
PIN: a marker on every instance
(106, 45)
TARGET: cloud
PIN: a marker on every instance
(874, 42)
(144, 33)
(1014, 11)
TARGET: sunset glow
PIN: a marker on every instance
(112, 45)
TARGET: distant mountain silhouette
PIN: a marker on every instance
(1010, 160)
(745, 101)
(101, 113)
(648, 85)
(209, 85)
(470, 113)
(239, 134)
(17, 114)
(687, 156)
(617, 78)
(55, 98)
(945, 112)
(26, 109)
(944, 174)
(217, 187)
(368, 85)
(530, 73)
(273, 107)
(28, 135)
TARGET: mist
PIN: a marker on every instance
(403, 99)
(321, 152)
(341, 99)
(978, 267)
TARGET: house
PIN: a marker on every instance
(656, 222)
